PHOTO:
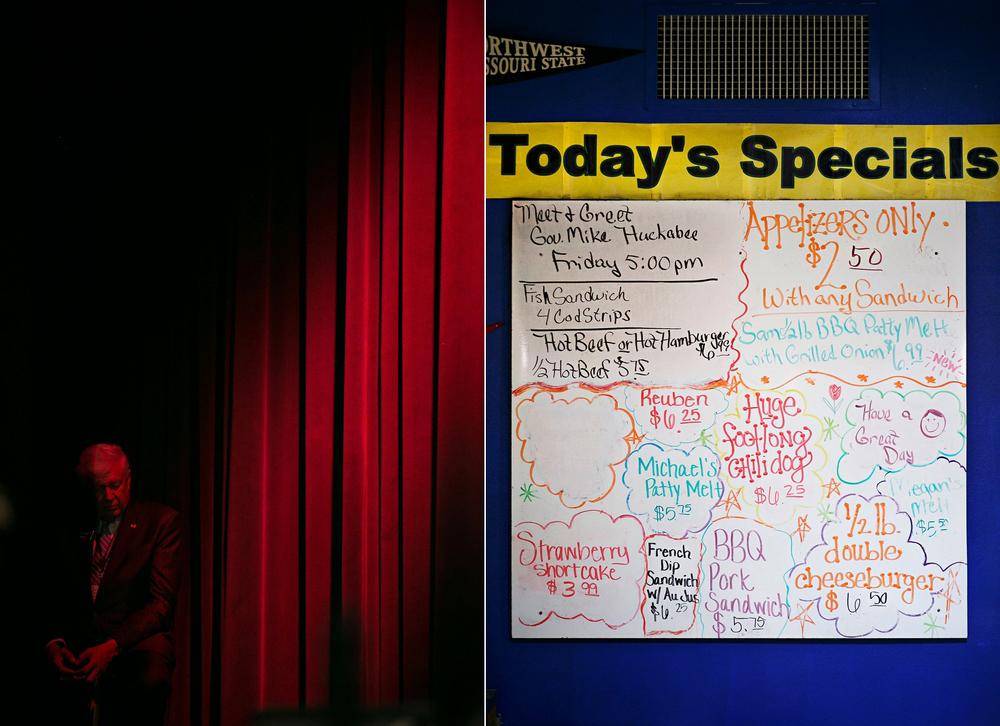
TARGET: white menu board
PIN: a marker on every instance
(738, 419)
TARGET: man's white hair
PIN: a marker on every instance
(103, 463)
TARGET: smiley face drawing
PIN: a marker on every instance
(932, 424)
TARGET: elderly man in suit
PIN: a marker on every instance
(112, 632)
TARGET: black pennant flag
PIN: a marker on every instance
(517, 58)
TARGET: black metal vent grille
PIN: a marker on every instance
(762, 57)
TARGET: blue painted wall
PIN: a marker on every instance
(938, 64)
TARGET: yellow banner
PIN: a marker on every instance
(582, 160)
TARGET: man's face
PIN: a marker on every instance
(112, 497)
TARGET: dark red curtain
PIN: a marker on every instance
(283, 219)
(338, 491)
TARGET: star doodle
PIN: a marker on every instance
(949, 600)
(932, 626)
(863, 378)
(634, 438)
(705, 440)
(803, 616)
(930, 379)
(810, 381)
(832, 488)
(825, 513)
(733, 500)
(953, 580)
(899, 384)
(765, 380)
(527, 493)
(829, 428)
(734, 386)
(803, 528)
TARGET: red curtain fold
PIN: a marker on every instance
(336, 482)
(418, 242)
(360, 536)
(458, 553)
(390, 614)
(320, 399)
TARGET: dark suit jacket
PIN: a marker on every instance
(138, 593)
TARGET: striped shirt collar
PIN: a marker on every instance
(111, 527)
